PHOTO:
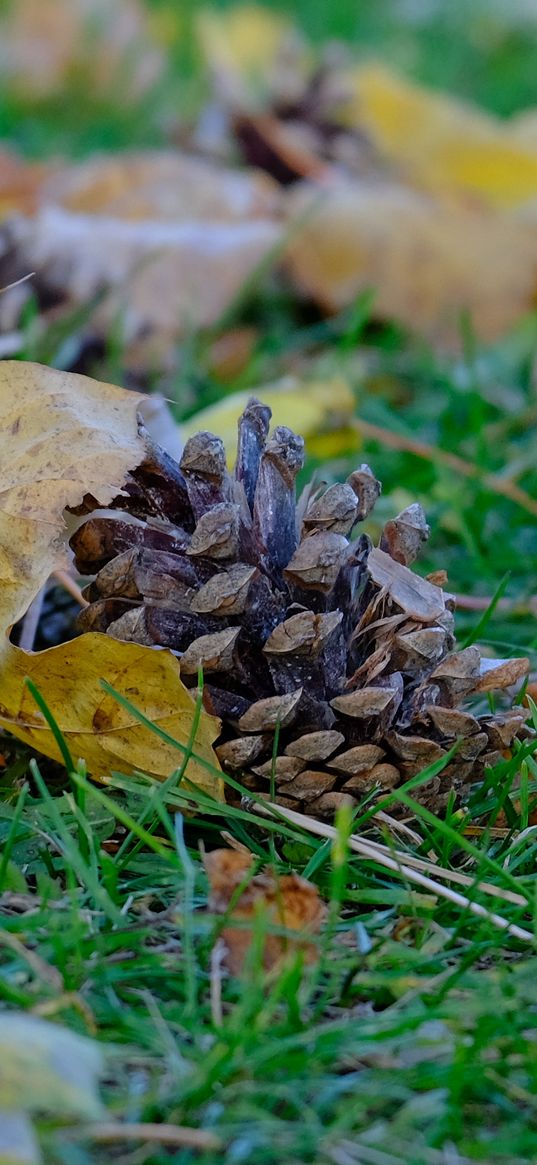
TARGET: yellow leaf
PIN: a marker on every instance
(241, 47)
(426, 259)
(310, 408)
(438, 141)
(63, 436)
(95, 726)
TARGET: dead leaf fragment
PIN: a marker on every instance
(20, 184)
(162, 185)
(288, 902)
(95, 726)
(61, 436)
(246, 49)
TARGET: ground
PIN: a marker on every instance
(413, 1037)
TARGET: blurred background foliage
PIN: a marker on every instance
(483, 50)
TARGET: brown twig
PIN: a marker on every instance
(40, 968)
(491, 481)
(64, 579)
(17, 282)
(110, 1131)
(405, 866)
(480, 603)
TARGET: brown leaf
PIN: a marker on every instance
(20, 184)
(263, 899)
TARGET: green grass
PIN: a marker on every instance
(413, 1039)
(415, 1031)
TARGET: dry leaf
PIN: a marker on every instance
(265, 899)
(20, 184)
(439, 142)
(426, 260)
(64, 436)
(170, 238)
(319, 410)
(45, 1069)
(43, 43)
(161, 185)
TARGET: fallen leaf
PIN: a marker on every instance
(427, 260)
(169, 239)
(44, 1068)
(44, 43)
(263, 899)
(161, 185)
(63, 437)
(95, 726)
(320, 410)
(245, 48)
(438, 141)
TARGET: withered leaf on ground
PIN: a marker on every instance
(426, 259)
(264, 900)
(169, 240)
(64, 437)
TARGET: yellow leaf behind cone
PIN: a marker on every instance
(311, 408)
(440, 142)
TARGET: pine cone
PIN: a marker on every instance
(337, 643)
